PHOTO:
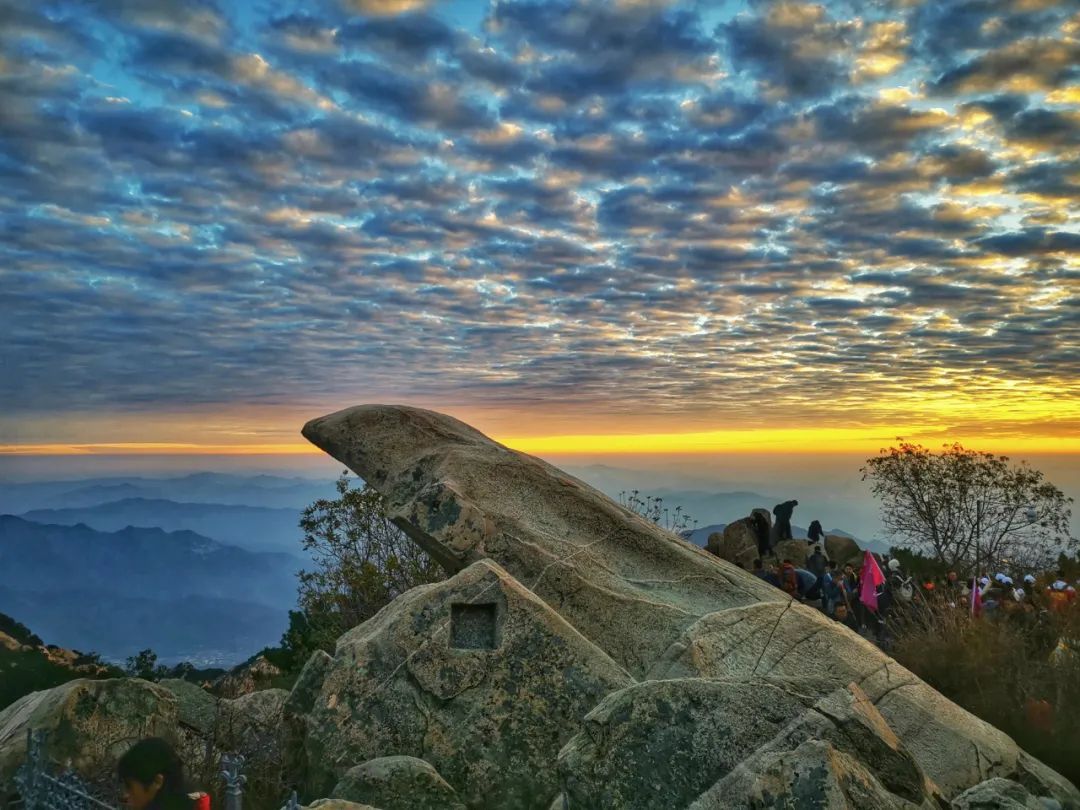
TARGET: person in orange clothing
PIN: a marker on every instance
(152, 775)
(1061, 595)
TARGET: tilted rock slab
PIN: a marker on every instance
(659, 606)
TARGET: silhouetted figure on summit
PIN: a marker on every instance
(815, 534)
(761, 532)
(783, 512)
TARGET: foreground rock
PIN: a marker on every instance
(90, 722)
(397, 783)
(659, 607)
(474, 675)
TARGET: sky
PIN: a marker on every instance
(584, 227)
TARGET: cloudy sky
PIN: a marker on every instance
(648, 225)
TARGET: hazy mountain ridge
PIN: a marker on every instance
(255, 528)
(183, 594)
(217, 488)
(139, 561)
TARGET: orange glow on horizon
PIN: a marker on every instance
(746, 441)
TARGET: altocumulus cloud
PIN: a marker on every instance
(783, 208)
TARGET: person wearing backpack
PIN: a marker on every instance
(831, 590)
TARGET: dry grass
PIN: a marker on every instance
(1000, 668)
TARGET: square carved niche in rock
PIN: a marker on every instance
(474, 627)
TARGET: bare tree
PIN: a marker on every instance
(960, 504)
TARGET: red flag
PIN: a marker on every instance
(976, 598)
(870, 578)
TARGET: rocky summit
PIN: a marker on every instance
(582, 657)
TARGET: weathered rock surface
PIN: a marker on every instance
(659, 607)
(795, 550)
(397, 783)
(339, 804)
(475, 675)
(737, 544)
(252, 725)
(253, 676)
(89, 722)
(197, 708)
(726, 743)
(295, 713)
(842, 550)
(1000, 794)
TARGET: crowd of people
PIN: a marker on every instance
(863, 596)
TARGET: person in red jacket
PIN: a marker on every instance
(153, 778)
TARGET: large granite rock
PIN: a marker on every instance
(795, 550)
(658, 606)
(736, 544)
(90, 722)
(397, 783)
(723, 743)
(252, 725)
(843, 550)
(999, 794)
(295, 713)
(198, 708)
(475, 675)
(621, 580)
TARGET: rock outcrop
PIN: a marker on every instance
(89, 722)
(737, 543)
(475, 675)
(843, 550)
(738, 688)
(397, 783)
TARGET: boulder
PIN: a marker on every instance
(622, 581)
(197, 708)
(659, 607)
(252, 725)
(249, 677)
(397, 783)
(737, 543)
(90, 722)
(813, 775)
(795, 550)
(475, 675)
(724, 743)
(998, 794)
(843, 550)
(300, 702)
(662, 743)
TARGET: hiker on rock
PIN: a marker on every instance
(761, 532)
(783, 512)
(815, 534)
(817, 565)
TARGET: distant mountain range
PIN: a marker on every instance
(179, 592)
(255, 528)
(221, 488)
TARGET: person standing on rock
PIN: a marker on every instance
(815, 534)
(761, 532)
(152, 775)
(783, 512)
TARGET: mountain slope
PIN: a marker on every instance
(140, 562)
